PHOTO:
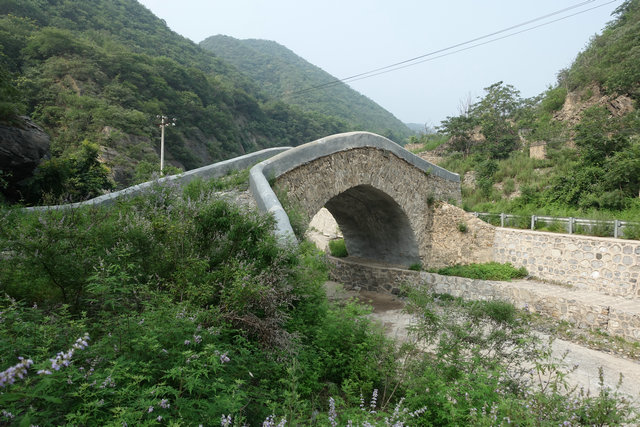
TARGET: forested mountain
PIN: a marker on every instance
(282, 73)
(100, 71)
(585, 134)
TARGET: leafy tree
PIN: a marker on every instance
(10, 103)
(598, 136)
(496, 113)
(494, 116)
(79, 176)
(500, 101)
(100, 71)
(553, 100)
(623, 170)
(460, 130)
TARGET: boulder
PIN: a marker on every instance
(22, 148)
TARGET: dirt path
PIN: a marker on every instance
(388, 310)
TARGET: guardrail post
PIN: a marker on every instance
(572, 220)
(533, 222)
(616, 226)
(502, 220)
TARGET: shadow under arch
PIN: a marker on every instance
(374, 226)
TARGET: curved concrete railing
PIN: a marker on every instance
(277, 165)
(214, 170)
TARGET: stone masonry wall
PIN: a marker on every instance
(584, 309)
(458, 237)
(606, 265)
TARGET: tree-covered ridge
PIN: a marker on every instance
(282, 73)
(102, 70)
(612, 59)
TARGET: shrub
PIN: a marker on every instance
(148, 171)
(416, 266)
(462, 227)
(184, 299)
(554, 99)
(509, 186)
(488, 271)
(77, 177)
(631, 231)
(338, 248)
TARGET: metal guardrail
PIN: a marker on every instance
(570, 225)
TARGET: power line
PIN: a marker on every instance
(479, 44)
(411, 62)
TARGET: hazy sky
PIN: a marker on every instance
(348, 37)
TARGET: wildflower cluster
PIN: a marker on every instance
(64, 358)
(17, 371)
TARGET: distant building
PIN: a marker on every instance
(538, 150)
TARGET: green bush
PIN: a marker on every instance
(338, 248)
(183, 299)
(76, 177)
(488, 271)
(416, 266)
(553, 100)
(631, 232)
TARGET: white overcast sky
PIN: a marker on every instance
(348, 37)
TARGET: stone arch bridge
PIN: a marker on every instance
(381, 195)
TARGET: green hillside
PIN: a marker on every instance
(280, 72)
(588, 124)
(101, 71)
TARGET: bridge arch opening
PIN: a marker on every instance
(374, 226)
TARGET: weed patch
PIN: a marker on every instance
(338, 248)
(488, 271)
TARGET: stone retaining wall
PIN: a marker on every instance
(458, 237)
(606, 265)
(615, 315)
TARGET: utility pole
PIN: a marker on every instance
(164, 122)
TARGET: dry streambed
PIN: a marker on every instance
(388, 310)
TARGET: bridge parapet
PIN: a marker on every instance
(214, 170)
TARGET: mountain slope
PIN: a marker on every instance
(280, 72)
(612, 59)
(571, 151)
(103, 70)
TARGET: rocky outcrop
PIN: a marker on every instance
(576, 102)
(22, 148)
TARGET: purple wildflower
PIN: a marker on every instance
(374, 400)
(225, 421)
(19, 370)
(332, 412)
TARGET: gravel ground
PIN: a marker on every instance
(388, 310)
